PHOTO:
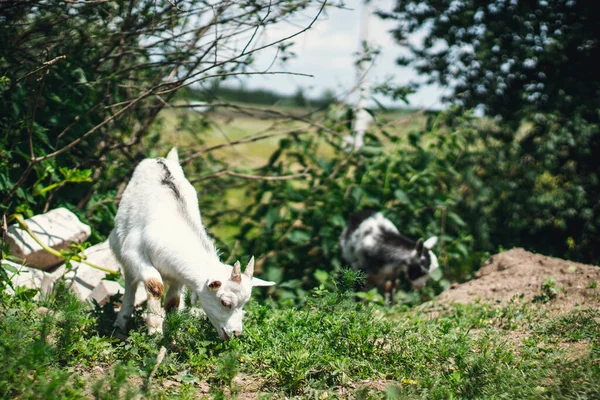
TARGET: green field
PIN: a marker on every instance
(227, 126)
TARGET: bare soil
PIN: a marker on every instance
(520, 273)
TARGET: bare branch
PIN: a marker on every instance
(45, 66)
(86, 1)
(256, 30)
(94, 129)
(248, 139)
(303, 174)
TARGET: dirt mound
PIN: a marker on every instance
(518, 272)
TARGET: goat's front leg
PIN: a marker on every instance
(154, 288)
(389, 292)
(173, 297)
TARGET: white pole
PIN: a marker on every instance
(362, 118)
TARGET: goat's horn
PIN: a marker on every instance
(236, 272)
(250, 268)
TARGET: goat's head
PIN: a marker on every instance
(422, 262)
(226, 298)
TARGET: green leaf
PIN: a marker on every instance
(338, 220)
(79, 75)
(298, 237)
(24, 293)
(371, 150)
(462, 249)
(321, 276)
(357, 194)
(274, 274)
(452, 216)
(10, 268)
(271, 218)
(401, 196)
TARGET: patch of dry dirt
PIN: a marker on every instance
(518, 272)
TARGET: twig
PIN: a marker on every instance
(94, 129)
(444, 212)
(159, 359)
(86, 2)
(181, 84)
(303, 174)
(36, 160)
(75, 121)
(35, 107)
(247, 139)
(3, 228)
(46, 65)
(228, 139)
(22, 179)
(262, 21)
(171, 2)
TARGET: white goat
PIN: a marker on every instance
(371, 243)
(159, 236)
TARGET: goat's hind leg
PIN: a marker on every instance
(144, 271)
(127, 304)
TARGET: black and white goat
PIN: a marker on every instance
(372, 244)
(159, 238)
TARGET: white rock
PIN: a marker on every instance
(82, 278)
(85, 281)
(104, 291)
(57, 229)
(21, 275)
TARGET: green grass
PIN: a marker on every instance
(331, 346)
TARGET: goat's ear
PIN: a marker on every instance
(419, 246)
(214, 285)
(249, 272)
(173, 156)
(259, 282)
(429, 243)
(236, 272)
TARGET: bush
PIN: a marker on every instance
(297, 224)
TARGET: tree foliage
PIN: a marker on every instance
(512, 57)
(82, 85)
(530, 65)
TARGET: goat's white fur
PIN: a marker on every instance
(159, 237)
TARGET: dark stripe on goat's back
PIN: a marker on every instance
(167, 179)
(355, 220)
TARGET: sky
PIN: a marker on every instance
(327, 52)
